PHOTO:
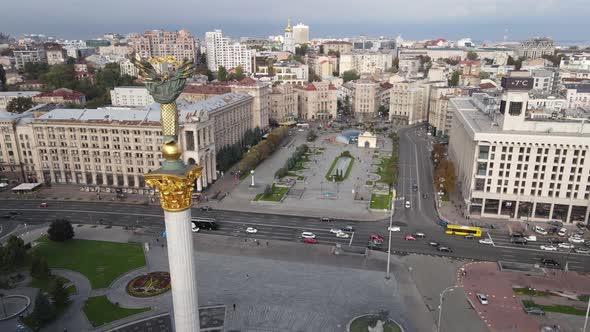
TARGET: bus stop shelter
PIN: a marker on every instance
(25, 188)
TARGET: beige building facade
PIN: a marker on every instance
(316, 101)
(365, 99)
(158, 43)
(439, 117)
(283, 104)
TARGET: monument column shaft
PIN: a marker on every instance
(182, 270)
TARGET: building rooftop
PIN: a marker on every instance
(580, 88)
(19, 93)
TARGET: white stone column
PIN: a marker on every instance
(182, 270)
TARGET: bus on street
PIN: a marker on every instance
(463, 230)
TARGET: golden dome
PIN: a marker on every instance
(288, 28)
(171, 151)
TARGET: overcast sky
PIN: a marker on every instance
(479, 19)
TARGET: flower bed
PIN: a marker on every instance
(151, 284)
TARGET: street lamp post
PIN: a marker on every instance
(440, 305)
(586, 319)
(252, 173)
(387, 276)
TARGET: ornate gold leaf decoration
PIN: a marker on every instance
(175, 191)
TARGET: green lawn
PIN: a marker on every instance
(564, 309)
(385, 170)
(101, 262)
(99, 311)
(276, 195)
(362, 325)
(584, 298)
(329, 177)
(381, 202)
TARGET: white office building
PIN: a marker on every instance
(222, 52)
(516, 166)
(366, 62)
(301, 34)
(130, 96)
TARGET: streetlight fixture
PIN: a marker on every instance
(387, 276)
(252, 174)
(440, 305)
(586, 319)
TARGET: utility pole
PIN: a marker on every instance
(440, 305)
(387, 276)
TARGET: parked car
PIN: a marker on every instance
(540, 230)
(326, 219)
(562, 232)
(433, 244)
(444, 249)
(519, 240)
(342, 235)
(311, 241)
(15, 213)
(415, 187)
(580, 225)
(308, 235)
(482, 298)
(534, 311)
(548, 248)
(531, 238)
(335, 230)
(407, 205)
(486, 241)
(251, 230)
(205, 208)
(555, 223)
(43, 205)
(409, 238)
(554, 240)
(549, 262)
(377, 237)
(553, 230)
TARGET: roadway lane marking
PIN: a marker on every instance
(417, 177)
(544, 251)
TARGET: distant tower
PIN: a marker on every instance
(289, 43)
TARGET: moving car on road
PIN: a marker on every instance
(433, 244)
(326, 219)
(251, 230)
(444, 249)
(482, 298)
(575, 239)
(582, 251)
(205, 223)
(419, 235)
(549, 262)
(377, 237)
(375, 245)
(519, 240)
(310, 241)
(409, 238)
(195, 229)
(348, 229)
(205, 208)
(540, 230)
(394, 229)
(342, 235)
(562, 232)
(335, 230)
(553, 240)
(566, 245)
(548, 248)
(486, 241)
(308, 235)
(531, 238)
(408, 205)
(43, 205)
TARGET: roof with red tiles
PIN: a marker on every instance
(64, 93)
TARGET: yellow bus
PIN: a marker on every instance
(463, 230)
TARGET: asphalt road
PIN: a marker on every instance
(415, 168)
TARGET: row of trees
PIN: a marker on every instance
(262, 150)
(444, 170)
(392, 165)
(231, 154)
(224, 76)
(297, 156)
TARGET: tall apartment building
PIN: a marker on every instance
(301, 34)
(578, 61)
(128, 68)
(545, 79)
(323, 65)
(365, 101)
(536, 48)
(221, 52)
(55, 54)
(516, 166)
(439, 117)
(158, 43)
(12, 168)
(135, 96)
(316, 101)
(366, 62)
(32, 55)
(283, 104)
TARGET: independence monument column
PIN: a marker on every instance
(174, 181)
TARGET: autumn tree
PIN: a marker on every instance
(472, 56)
(19, 104)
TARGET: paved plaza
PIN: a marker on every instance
(275, 287)
(321, 197)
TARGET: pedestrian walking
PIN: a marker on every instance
(258, 243)
(267, 243)
(234, 307)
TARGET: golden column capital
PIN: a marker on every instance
(175, 190)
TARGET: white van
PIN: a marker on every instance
(540, 230)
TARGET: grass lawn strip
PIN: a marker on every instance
(329, 177)
(100, 262)
(381, 202)
(563, 309)
(530, 292)
(99, 311)
(276, 195)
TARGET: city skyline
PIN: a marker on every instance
(417, 20)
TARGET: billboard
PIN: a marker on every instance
(517, 83)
